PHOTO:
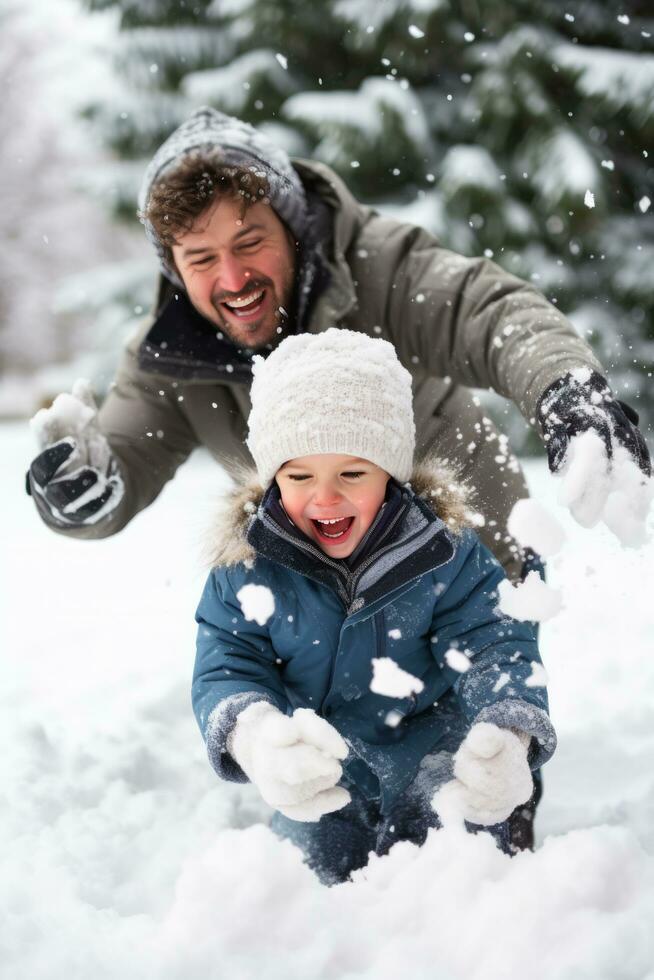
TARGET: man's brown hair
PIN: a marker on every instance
(199, 180)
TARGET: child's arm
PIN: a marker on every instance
(241, 707)
(234, 667)
(502, 651)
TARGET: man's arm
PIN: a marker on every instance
(469, 319)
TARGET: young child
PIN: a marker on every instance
(382, 668)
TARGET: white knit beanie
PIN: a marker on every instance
(333, 392)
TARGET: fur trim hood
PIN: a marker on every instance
(433, 480)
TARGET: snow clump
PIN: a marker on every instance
(457, 660)
(534, 527)
(529, 600)
(595, 488)
(391, 681)
(257, 602)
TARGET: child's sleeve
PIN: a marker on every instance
(503, 683)
(234, 667)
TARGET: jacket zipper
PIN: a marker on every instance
(310, 550)
(372, 558)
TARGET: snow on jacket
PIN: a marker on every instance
(429, 587)
(454, 322)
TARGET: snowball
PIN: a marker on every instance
(391, 681)
(589, 199)
(395, 634)
(415, 31)
(534, 527)
(616, 491)
(67, 416)
(585, 478)
(282, 59)
(629, 500)
(529, 600)
(457, 660)
(257, 602)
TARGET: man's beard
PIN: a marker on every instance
(274, 332)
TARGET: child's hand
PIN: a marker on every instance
(292, 761)
(492, 773)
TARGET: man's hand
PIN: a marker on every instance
(492, 775)
(75, 480)
(594, 444)
(581, 401)
(294, 762)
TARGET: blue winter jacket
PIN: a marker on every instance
(427, 585)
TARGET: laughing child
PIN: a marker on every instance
(351, 655)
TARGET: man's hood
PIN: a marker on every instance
(433, 480)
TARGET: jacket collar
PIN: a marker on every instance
(424, 517)
(182, 344)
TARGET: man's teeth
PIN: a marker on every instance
(334, 521)
(235, 304)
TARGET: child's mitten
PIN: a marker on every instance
(492, 774)
(294, 762)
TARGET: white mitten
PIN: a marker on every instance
(294, 762)
(492, 775)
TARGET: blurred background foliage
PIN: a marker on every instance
(523, 132)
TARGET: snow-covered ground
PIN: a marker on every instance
(123, 857)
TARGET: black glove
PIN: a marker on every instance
(69, 492)
(582, 400)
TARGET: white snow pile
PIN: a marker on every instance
(124, 856)
(257, 602)
(531, 599)
(390, 680)
(615, 492)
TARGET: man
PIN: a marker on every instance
(252, 248)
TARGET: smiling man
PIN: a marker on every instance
(254, 246)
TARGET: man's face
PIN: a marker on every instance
(328, 487)
(239, 271)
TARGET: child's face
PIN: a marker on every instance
(328, 487)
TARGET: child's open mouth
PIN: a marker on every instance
(246, 307)
(333, 530)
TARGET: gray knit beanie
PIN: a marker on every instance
(333, 392)
(240, 145)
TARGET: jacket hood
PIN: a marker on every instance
(434, 481)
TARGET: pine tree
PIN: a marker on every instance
(522, 133)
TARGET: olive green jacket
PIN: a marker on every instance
(457, 323)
